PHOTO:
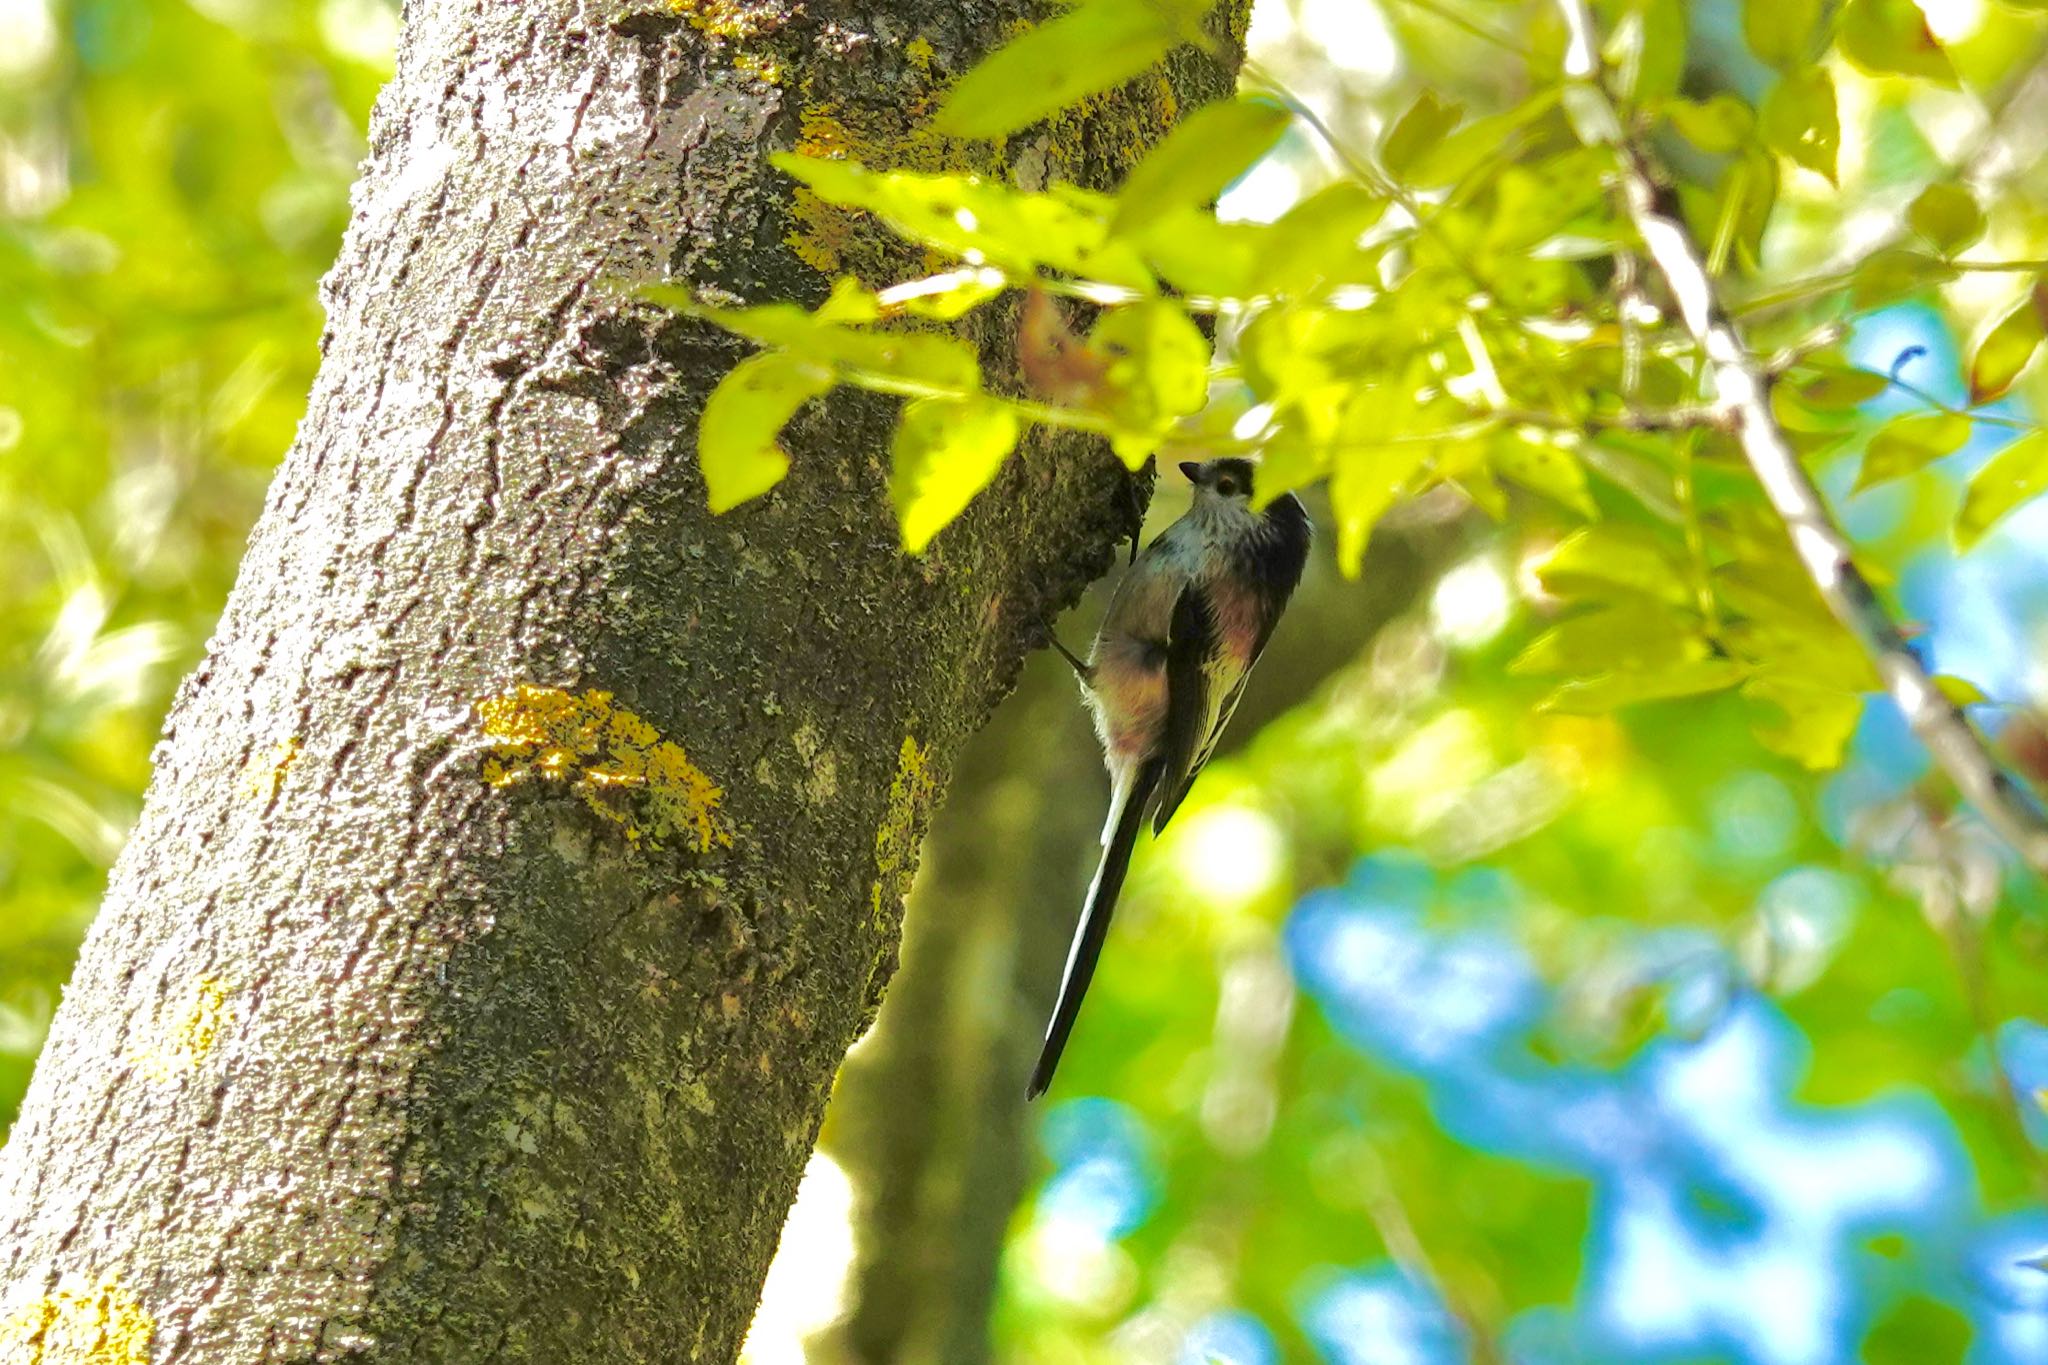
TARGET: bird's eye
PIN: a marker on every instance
(1227, 486)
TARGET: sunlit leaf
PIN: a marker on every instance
(1544, 467)
(1841, 388)
(944, 453)
(1799, 120)
(1463, 151)
(1815, 723)
(1611, 691)
(1782, 32)
(1613, 561)
(1890, 275)
(1363, 485)
(1095, 45)
(981, 221)
(1632, 636)
(1158, 371)
(736, 443)
(1892, 37)
(1909, 443)
(1947, 216)
(1646, 48)
(1719, 125)
(2008, 346)
(1419, 129)
(1195, 162)
(2009, 478)
(917, 361)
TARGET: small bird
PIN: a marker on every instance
(1164, 675)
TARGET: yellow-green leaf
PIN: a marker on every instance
(736, 444)
(1799, 120)
(1613, 561)
(2009, 478)
(1888, 276)
(1782, 32)
(1719, 125)
(1091, 47)
(1158, 372)
(1841, 388)
(1947, 216)
(1910, 443)
(1816, 722)
(944, 453)
(1891, 37)
(2009, 345)
(983, 222)
(1197, 160)
(1364, 483)
(1690, 678)
(1631, 636)
(1419, 129)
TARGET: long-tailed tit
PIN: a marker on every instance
(1165, 673)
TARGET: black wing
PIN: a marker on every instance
(1192, 651)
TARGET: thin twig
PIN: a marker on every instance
(1742, 390)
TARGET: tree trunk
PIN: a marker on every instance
(529, 847)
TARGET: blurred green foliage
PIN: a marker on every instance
(173, 180)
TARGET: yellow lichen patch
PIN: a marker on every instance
(264, 773)
(764, 69)
(918, 51)
(727, 18)
(617, 762)
(910, 800)
(191, 1034)
(78, 1325)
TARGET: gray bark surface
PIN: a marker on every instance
(368, 1056)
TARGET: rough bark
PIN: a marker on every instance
(430, 1015)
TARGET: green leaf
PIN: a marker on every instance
(1782, 32)
(1888, 276)
(2009, 478)
(2008, 346)
(980, 221)
(1091, 47)
(1910, 443)
(1158, 372)
(1816, 723)
(1416, 132)
(1692, 678)
(1198, 255)
(736, 436)
(1836, 389)
(1799, 120)
(1891, 37)
(1195, 162)
(1959, 691)
(893, 361)
(945, 452)
(1464, 151)
(1315, 244)
(1614, 562)
(1947, 216)
(1647, 49)
(1720, 125)
(1363, 485)
(1632, 636)
(1545, 467)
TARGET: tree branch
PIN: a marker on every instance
(1741, 388)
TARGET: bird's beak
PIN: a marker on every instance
(1192, 470)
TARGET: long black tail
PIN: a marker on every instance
(1128, 819)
